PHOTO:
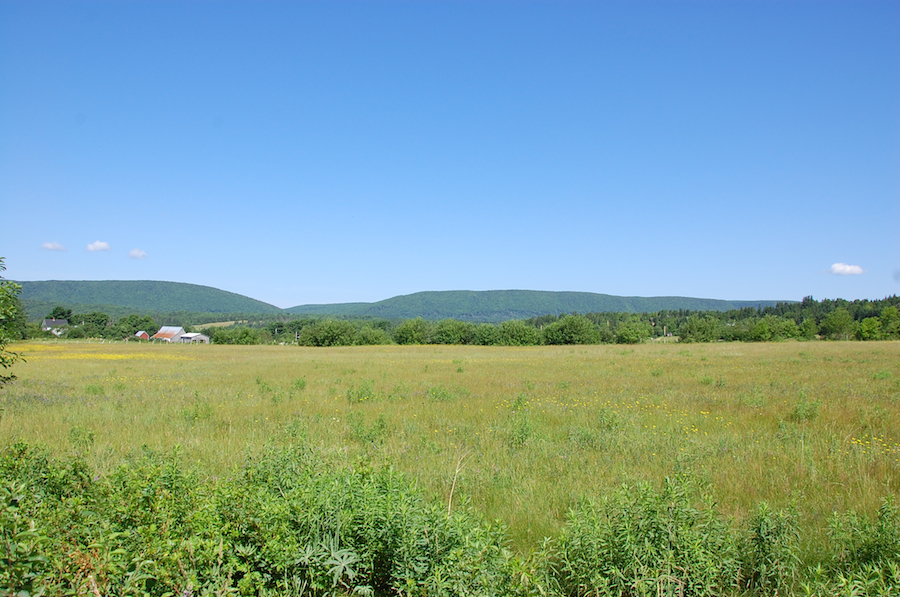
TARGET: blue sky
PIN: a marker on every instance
(317, 152)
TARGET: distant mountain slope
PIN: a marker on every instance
(138, 296)
(500, 305)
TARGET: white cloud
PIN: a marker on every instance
(98, 245)
(54, 246)
(137, 254)
(842, 269)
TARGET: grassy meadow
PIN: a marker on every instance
(655, 469)
(521, 434)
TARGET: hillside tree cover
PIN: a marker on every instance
(807, 320)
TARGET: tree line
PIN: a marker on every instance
(806, 320)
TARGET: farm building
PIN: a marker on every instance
(194, 338)
(54, 326)
(142, 335)
(168, 333)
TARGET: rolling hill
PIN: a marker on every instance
(500, 305)
(119, 297)
(135, 296)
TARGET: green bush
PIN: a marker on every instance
(700, 329)
(239, 335)
(859, 541)
(451, 331)
(372, 336)
(328, 332)
(516, 333)
(638, 541)
(412, 331)
(770, 551)
(632, 332)
(571, 329)
(22, 563)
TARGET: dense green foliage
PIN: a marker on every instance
(10, 322)
(289, 522)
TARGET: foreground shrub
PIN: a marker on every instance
(771, 551)
(638, 541)
(859, 541)
(290, 522)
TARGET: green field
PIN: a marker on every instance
(519, 435)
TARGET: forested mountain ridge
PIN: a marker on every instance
(122, 297)
(502, 305)
(135, 296)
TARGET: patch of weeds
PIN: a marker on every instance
(296, 428)
(439, 393)
(520, 403)
(584, 437)
(521, 429)
(771, 550)
(786, 431)
(706, 380)
(721, 383)
(399, 392)
(607, 419)
(81, 438)
(656, 372)
(119, 386)
(299, 384)
(753, 399)
(200, 411)
(361, 393)
(805, 409)
(263, 386)
(883, 374)
(94, 390)
(685, 353)
(563, 385)
(367, 434)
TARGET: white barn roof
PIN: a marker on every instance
(169, 333)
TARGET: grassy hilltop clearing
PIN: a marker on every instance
(797, 437)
